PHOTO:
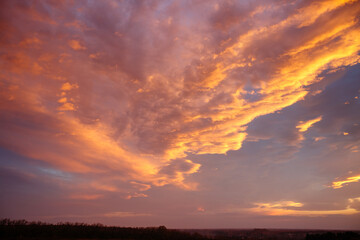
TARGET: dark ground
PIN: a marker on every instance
(21, 229)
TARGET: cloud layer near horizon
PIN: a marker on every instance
(120, 94)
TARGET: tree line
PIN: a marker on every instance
(22, 229)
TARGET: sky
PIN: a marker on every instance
(188, 114)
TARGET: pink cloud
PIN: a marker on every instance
(143, 90)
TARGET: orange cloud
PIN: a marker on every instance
(140, 109)
(287, 209)
(304, 126)
(342, 183)
(104, 187)
(62, 100)
(86, 196)
(76, 45)
(67, 107)
(136, 195)
(200, 209)
(31, 41)
(296, 69)
(68, 86)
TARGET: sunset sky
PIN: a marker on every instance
(188, 114)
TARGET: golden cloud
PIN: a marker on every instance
(286, 208)
(342, 183)
(137, 110)
(304, 126)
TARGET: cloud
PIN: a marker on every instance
(136, 195)
(68, 86)
(75, 44)
(141, 186)
(282, 209)
(86, 197)
(304, 126)
(125, 214)
(149, 83)
(344, 182)
(67, 107)
(200, 209)
(176, 171)
(355, 203)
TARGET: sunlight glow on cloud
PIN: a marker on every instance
(136, 195)
(304, 126)
(200, 209)
(345, 182)
(75, 44)
(286, 209)
(137, 99)
(86, 197)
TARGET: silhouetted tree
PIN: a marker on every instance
(21, 229)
